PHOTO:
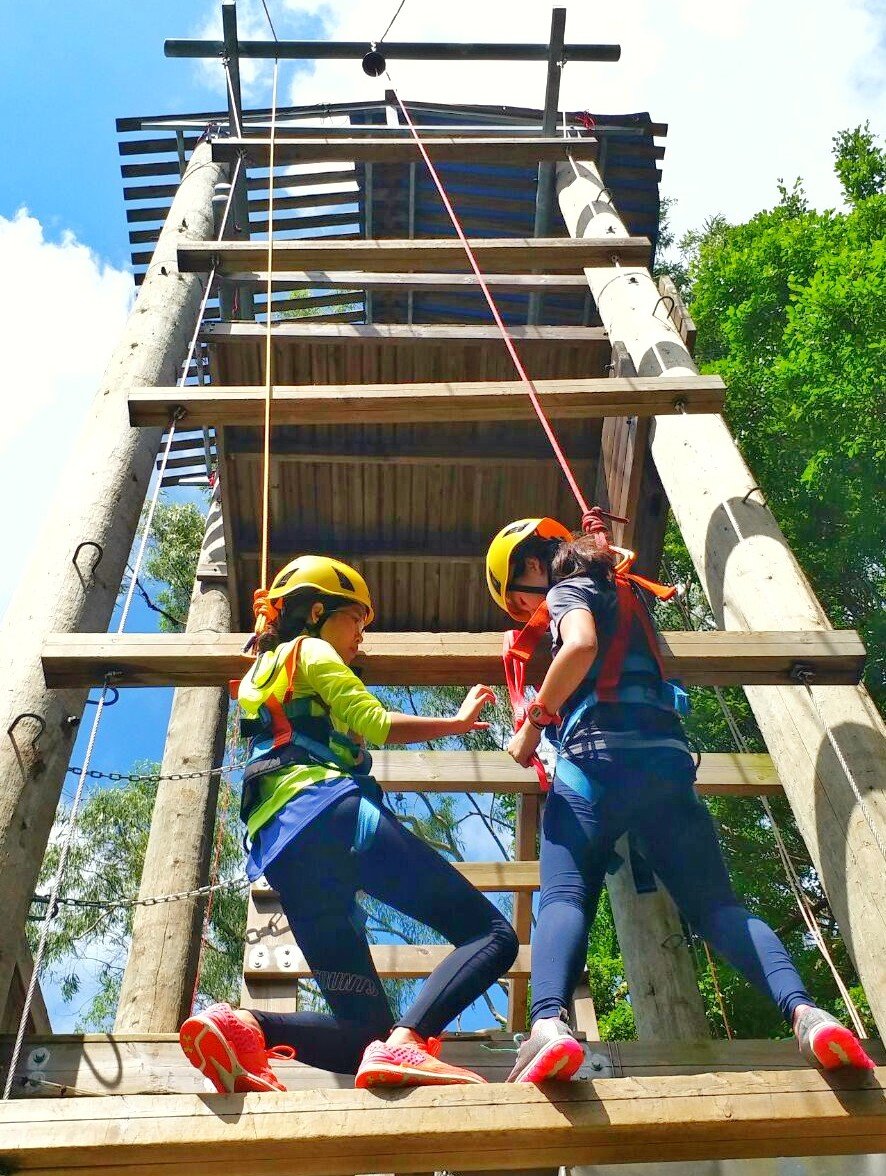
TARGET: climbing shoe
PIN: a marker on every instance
(549, 1052)
(412, 1064)
(230, 1053)
(824, 1040)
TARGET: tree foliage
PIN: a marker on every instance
(790, 310)
(171, 560)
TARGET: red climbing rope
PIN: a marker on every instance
(499, 322)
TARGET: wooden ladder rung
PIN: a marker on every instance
(717, 658)
(274, 961)
(498, 151)
(427, 403)
(495, 254)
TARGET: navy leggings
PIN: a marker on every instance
(318, 876)
(649, 794)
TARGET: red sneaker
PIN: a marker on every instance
(231, 1054)
(824, 1040)
(415, 1064)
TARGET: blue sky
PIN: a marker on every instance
(752, 92)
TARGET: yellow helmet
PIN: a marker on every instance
(328, 576)
(502, 547)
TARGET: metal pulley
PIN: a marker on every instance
(374, 64)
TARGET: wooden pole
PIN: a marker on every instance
(161, 970)
(828, 744)
(658, 967)
(68, 586)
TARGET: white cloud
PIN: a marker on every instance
(61, 318)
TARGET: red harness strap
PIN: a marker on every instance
(629, 608)
(518, 647)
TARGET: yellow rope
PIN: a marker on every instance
(269, 386)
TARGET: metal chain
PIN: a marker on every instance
(153, 900)
(146, 777)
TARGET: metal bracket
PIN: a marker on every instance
(89, 580)
(751, 491)
(802, 673)
(41, 727)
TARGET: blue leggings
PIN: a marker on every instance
(318, 875)
(650, 795)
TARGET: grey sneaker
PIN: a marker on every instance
(550, 1051)
(823, 1040)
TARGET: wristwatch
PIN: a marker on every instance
(540, 718)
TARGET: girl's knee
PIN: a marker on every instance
(506, 941)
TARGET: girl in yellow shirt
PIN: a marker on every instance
(319, 833)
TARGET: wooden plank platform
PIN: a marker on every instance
(522, 151)
(279, 960)
(718, 658)
(103, 1063)
(468, 1128)
(427, 403)
(496, 254)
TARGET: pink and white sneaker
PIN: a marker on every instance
(412, 1064)
(230, 1053)
(549, 1052)
(824, 1040)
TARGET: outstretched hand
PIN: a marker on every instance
(477, 697)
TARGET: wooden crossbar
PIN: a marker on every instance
(490, 877)
(279, 960)
(369, 149)
(833, 656)
(496, 254)
(719, 774)
(503, 400)
(456, 1128)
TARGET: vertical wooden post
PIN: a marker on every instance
(658, 966)
(828, 743)
(161, 970)
(69, 587)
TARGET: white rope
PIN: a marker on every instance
(52, 904)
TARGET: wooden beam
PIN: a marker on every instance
(115, 1064)
(283, 962)
(496, 254)
(370, 149)
(427, 659)
(720, 773)
(438, 283)
(457, 1128)
(490, 877)
(504, 400)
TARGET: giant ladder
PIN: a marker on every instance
(391, 421)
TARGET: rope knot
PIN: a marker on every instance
(593, 522)
(266, 611)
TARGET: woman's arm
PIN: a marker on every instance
(578, 650)
(417, 728)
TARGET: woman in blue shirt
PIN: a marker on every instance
(623, 766)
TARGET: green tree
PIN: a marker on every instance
(103, 873)
(790, 310)
(171, 560)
